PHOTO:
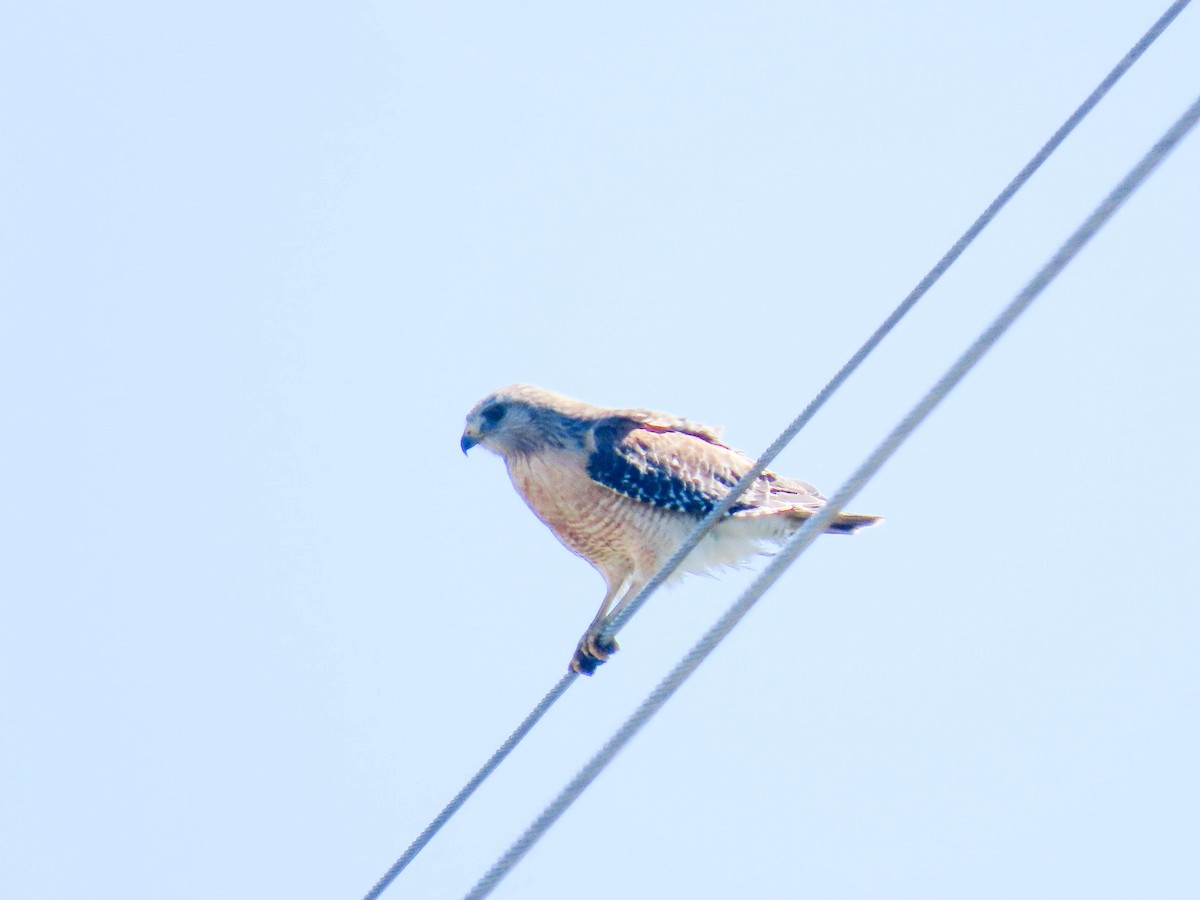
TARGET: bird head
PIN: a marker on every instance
(523, 419)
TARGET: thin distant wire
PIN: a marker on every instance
(817, 524)
(614, 625)
(618, 622)
(469, 788)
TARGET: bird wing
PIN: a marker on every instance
(662, 422)
(678, 465)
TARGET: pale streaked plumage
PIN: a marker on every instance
(623, 487)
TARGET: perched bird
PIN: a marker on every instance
(623, 487)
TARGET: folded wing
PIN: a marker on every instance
(684, 467)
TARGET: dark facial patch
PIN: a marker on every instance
(494, 413)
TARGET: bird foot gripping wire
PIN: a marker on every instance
(594, 650)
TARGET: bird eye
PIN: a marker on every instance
(493, 414)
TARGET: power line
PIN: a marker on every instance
(931, 278)
(614, 625)
(469, 788)
(817, 523)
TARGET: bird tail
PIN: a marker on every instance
(844, 523)
(848, 523)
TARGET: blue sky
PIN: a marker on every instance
(261, 617)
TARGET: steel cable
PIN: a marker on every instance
(614, 625)
(817, 524)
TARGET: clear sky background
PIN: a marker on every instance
(261, 619)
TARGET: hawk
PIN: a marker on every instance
(623, 488)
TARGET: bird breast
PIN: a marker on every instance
(614, 532)
(591, 520)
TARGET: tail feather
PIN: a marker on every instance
(844, 523)
(848, 523)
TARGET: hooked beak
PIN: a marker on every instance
(469, 440)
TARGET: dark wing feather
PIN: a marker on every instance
(686, 471)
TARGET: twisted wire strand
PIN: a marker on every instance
(931, 278)
(817, 523)
(616, 623)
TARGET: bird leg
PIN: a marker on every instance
(589, 653)
(593, 648)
